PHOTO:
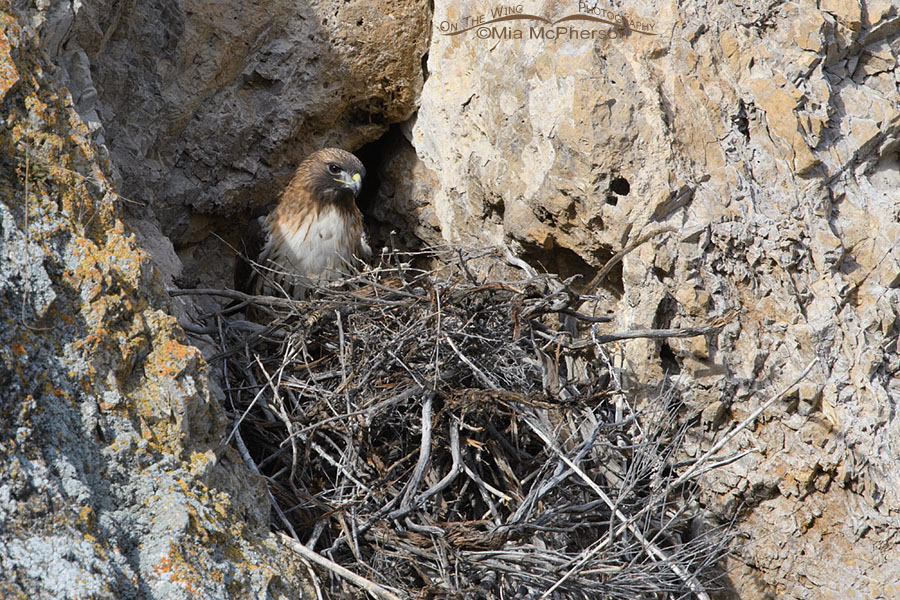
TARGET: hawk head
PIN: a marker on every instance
(332, 175)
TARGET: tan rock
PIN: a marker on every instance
(779, 104)
(807, 30)
(755, 134)
(848, 12)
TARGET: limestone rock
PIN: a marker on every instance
(767, 136)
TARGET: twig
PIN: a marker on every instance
(582, 317)
(518, 262)
(592, 286)
(455, 470)
(234, 295)
(245, 454)
(583, 559)
(478, 372)
(282, 413)
(243, 416)
(657, 334)
(424, 452)
(361, 582)
(367, 412)
(740, 426)
(605, 338)
(337, 465)
(341, 349)
(485, 489)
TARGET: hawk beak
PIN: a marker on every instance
(354, 182)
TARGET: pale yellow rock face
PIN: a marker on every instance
(767, 136)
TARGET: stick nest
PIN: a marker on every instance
(459, 431)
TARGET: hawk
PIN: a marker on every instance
(312, 234)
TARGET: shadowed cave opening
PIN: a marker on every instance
(373, 157)
(620, 186)
(384, 199)
(566, 263)
(665, 313)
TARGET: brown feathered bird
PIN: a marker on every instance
(313, 233)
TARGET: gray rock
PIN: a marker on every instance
(109, 435)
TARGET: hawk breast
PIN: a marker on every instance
(310, 249)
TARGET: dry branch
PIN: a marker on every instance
(373, 588)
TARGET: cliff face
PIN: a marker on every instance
(112, 477)
(765, 135)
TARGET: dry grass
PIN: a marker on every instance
(459, 431)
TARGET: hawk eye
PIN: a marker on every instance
(334, 169)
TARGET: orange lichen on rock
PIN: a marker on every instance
(107, 404)
(9, 75)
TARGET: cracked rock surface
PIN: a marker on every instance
(767, 136)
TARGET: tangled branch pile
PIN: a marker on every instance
(445, 433)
